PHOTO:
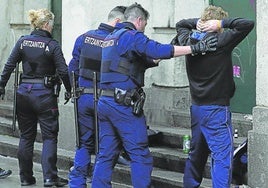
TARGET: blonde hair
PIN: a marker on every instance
(40, 17)
(213, 13)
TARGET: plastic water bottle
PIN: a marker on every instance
(186, 144)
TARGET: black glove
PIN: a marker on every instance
(207, 45)
(67, 96)
(2, 92)
(175, 41)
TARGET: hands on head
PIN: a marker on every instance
(209, 25)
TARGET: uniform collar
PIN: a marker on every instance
(125, 25)
(106, 27)
(41, 32)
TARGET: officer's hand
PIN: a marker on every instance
(203, 46)
(2, 92)
(67, 96)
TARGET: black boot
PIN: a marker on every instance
(28, 181)
(4, 173)
(58, 182)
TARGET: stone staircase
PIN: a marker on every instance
(169, 160)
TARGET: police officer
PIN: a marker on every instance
(126, 54)
(43, 65)
(86, 60)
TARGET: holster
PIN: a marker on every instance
(54, 82)
(138, 102)
(81, 90)
(134, 98)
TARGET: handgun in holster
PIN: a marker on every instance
(138, 100)
(134, 98)
(54, 82)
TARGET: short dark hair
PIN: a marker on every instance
(117, 12)
(119, 8)
(136, 10)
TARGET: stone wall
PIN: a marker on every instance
(258, 137)
(166, 85)
(14, 23)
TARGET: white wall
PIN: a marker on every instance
(84, 15)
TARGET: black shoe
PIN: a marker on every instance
(4, 173)
(122, 160)
(28, 181)
(59, 182)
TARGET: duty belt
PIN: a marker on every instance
(134, 98)
(33, 80)
(107, 92)
(86, 90)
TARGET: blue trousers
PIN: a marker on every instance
(120, 128)
(36, 104)
(82, 160)
(211, 133)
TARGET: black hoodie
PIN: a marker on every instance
(211, 75)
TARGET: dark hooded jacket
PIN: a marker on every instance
(211, 75)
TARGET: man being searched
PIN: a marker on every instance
(211, 86)
(86, 60)
(126, 54)
(43, 69)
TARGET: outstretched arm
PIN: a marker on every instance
(203, 46)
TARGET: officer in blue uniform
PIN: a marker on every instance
(43, 69)
(126, 54)
(86, 60)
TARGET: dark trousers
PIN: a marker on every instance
(36, 104)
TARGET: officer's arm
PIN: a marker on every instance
(152, 62)
(61, 66)
(74, 63)
(14, 58)
(182, 50)
(156, 61)
(207, 45)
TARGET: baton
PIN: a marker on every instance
(15, 98)
(74, 98)
(95, 98)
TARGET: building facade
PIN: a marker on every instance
(166, 85)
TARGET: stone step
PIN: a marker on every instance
(13, 181)
(241, 122)
(173, 136)
(160, 177)
(6, 129)
(6, 109)
(166, 148)
(172, 159)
